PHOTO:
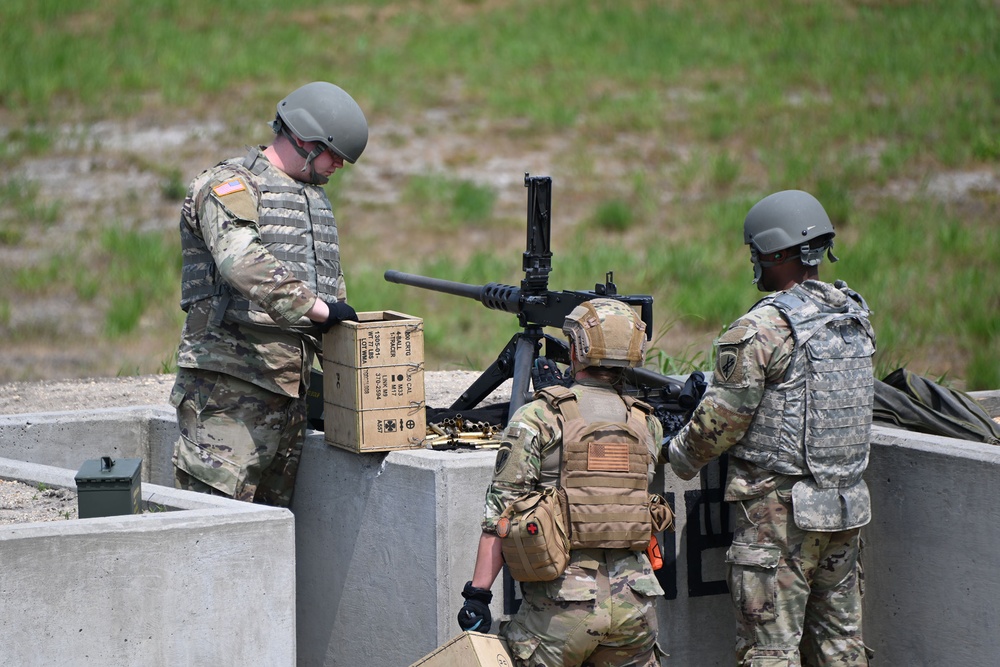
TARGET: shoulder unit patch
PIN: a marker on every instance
(730, 363)
(726, 362)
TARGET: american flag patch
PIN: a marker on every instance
(229, 187)
(607, 457)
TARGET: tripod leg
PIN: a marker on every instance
(524, 359)
(499, 371)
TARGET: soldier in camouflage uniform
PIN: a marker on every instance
(791, 401)
(261, 282)
(600, 612)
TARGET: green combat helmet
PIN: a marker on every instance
(325, 113)
(788, 219)
(606, 332)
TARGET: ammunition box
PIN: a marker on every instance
(106, 487)
(373, 383)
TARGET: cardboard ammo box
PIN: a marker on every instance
(373, 383)
(469, 649)
(106, 487)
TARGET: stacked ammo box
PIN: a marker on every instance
(373, 383)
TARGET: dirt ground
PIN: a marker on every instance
(441, 388)
(24, 503)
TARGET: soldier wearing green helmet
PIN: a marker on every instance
(791, 402)
(261, 282)
(597, 450)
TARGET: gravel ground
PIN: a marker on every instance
(441, 387)
(23, 503)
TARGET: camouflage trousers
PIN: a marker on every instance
(237, 439)
(616, 628)
(797, 593)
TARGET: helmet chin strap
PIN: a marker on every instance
(758, 267)
(313, 177)
(808, 256)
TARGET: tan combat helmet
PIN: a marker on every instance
(606, 332)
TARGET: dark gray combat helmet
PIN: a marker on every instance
(788, 219)
(322, 112)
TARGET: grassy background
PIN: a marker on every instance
(661, 123)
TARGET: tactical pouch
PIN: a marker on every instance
(533, 536)
(830, 510)
(661, 515)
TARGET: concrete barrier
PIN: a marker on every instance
(932, 556)
(383, 543)
(67, 439)
(207, 583)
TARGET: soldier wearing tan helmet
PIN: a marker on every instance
(571, 483)
(791, 402)
(261, 282)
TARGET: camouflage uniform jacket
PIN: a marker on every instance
(532, 435)
(222, 215)
(753, 354)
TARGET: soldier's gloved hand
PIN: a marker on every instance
(475, 613)
(340, 311)
(545, 373)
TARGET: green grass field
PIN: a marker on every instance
(661, 123)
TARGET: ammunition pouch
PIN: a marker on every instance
(533, 536)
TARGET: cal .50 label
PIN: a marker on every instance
(390, 387)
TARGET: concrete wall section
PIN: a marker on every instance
(931, 558)
(990, 400)
(67, 439)
(385, 542)
(207, 586)
(697, 626)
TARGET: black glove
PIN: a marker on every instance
(694, 389)
(545, 373)
(340, 311)
(475, 613)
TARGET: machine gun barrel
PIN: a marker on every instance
(548, 309)
(436, 284)
(495, 296)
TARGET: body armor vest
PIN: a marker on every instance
(818, 420)
(296, 224)
(604, 472)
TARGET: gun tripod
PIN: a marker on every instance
(515, 362)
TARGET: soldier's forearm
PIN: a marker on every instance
(489, 561)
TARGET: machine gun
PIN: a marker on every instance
(536, 307)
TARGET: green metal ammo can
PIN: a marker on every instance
(106, 487)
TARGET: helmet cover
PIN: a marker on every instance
(606, 332)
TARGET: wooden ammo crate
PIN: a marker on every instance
(373, 383)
